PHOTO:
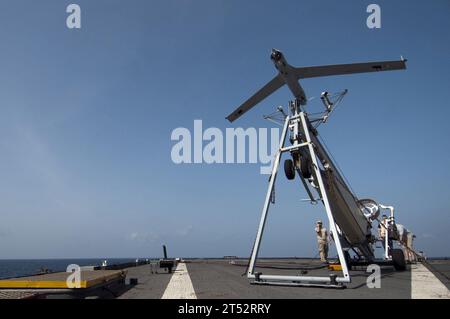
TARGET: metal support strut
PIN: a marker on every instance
(298, 123)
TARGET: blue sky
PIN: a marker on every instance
(86, 118)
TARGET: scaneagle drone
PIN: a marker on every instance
(350, 219)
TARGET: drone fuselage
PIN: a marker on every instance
(287, 72)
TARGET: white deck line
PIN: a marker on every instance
(180, 285)
(425, 285)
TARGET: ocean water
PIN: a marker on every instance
(26, 267)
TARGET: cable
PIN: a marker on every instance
(303, 267)
(337, 164)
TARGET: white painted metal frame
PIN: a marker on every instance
(387, 226)
(293, 121)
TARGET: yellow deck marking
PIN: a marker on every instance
(58, 280)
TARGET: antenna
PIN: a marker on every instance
(326, 101)
(278, 117)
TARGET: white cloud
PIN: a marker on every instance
(145, 237)
(185, 231)
(134, 236)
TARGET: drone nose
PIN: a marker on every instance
(275, 55)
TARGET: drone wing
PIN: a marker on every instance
(268, 89)
(311, 72)
(340, 69)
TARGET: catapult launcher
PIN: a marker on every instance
(350, 219)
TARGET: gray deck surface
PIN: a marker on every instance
(213, 278)
(225, 279)
(150, 285)
(441, 269)
(219, 279)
